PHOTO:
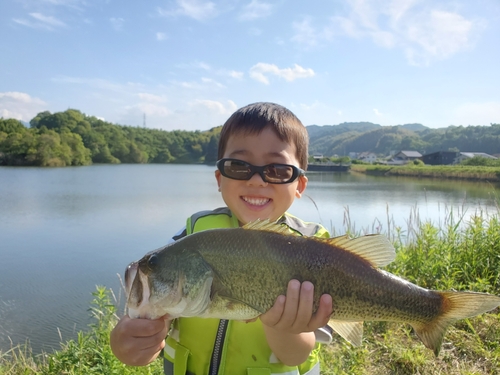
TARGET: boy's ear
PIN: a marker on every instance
(301, 186)
(218, 177)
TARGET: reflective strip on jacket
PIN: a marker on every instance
(200, 346)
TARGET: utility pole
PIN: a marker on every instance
(144, 120)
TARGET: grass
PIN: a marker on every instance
(458, 254)
(89, 353)
(466, 172)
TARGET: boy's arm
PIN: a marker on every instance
(290, 324)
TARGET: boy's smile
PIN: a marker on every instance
(256, 199)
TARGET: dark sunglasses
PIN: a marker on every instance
(272, 173)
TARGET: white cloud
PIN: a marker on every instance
(194, 65)
(260, 72)
(213, 82)
(203, 84)
(197, 9)
(309, 35)
(216, 106)
(152, 98)
(161, 36)
(254, 31)
(150, 109)
(235, 74)
(376, 111)
(310, 107)
(117, 23)
(477, 114)
(439, 34)
(20, 106)
(202, 65)
(75, 4)
(425, 30)
(230, 73)
(40, 21)
(256, 9)
(95, 83)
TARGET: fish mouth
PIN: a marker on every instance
(130, 273)
(138, 292)
(256, 201)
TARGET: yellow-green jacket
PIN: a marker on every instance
(197, 346)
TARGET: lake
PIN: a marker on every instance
(65, 230)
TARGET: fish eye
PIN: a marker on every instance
(153, 261)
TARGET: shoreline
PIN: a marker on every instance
(471, 173)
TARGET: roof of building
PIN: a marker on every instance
(411, 154)
(481, 154)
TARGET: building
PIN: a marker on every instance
(440, 158)
(367, 157)
(403, 157)
(469, 155)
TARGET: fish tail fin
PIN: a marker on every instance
(455, 306)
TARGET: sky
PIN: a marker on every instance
(189, 64)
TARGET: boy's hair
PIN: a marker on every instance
(254, 118)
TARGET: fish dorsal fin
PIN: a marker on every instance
(375, 248)
(267, 225)
(350, 331)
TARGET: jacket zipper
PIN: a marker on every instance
(218, 345)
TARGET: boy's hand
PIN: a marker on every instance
(137, 342)
(294, 313)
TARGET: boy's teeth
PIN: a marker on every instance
(256, 201)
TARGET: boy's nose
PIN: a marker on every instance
(256, 180)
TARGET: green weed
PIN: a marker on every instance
(90, 353)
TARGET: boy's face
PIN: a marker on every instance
(256, 199)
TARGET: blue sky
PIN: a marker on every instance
(188, 64)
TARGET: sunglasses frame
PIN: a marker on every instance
(296, 172)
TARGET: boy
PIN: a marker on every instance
(263, 151)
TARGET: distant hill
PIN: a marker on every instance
(415, 127)
(341, 139)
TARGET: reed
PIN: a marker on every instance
(458, 253)
(89, 353)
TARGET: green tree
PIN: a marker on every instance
(11, 126)
(212, 150)
(35, 120)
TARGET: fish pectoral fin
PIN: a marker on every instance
(223, 303)
(350, 331)
(227, 308)
(375, 248)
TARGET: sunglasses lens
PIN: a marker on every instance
(277, 174)
(236, 169)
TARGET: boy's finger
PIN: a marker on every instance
(291, 305)
(273, 315)
(142, 327)
(322, 315)
(305, 308)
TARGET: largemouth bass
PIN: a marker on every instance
(238, 273)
